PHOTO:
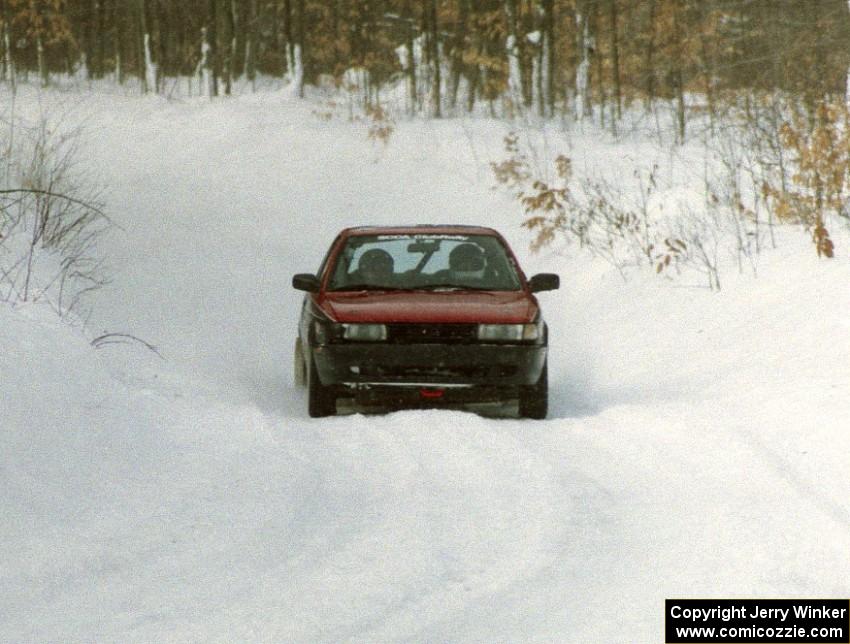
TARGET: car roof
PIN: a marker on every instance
(436, 229)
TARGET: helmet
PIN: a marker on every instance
(466, 258)
(376, 264)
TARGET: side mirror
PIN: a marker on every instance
(306, 282)
(544, 282)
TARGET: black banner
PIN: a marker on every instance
(697, 621)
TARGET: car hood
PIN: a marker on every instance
(431, 307)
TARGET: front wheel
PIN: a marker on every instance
(321, 399)
(534, 399)
(299, 366)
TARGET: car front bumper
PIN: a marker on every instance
(440, 366)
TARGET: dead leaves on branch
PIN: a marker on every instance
(817, 186)
(381, 125)
(674, 251)
(591, 212)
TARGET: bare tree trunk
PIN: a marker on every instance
(299, 49)
(119, 63)
(289, 46)
(237, 44)
(410, 67)
(118, 43)
(473, 87)
(594, 24)
(708, 71)
(162, 36)
(548, 56)
(585, 47)
(86, 41)
(650, 54)
(99, 53)
(537, 65)
(335, 10)
(151, 68)
(678, 73)
(514, 55)
(615, 61)
(143, 46)
(4, 42)
(8, 62)
(251, 43)
(213, 63)
(204, 69)
(42, 65)
(212, 43)
(434, 57)
(230, 51)
(458, 44)
(475, 73)
(538, 102)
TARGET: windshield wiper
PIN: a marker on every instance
(364, 287)
(411, 289)
(454, 287)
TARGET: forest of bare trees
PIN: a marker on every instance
(545, 55)
(765, 76)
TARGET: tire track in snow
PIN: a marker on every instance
(422, 520)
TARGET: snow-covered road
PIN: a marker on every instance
(697, 447)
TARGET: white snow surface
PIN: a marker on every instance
(698, 442)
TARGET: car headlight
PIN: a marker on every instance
(508, 332)
(325, 331)
(364, 332)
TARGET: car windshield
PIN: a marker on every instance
(424, 262)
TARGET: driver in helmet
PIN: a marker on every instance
(466, 262)
(376, 267)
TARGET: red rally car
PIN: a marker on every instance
(422, 316)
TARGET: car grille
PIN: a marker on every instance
(426, 372)
(432, 333)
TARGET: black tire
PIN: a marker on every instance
(321, 399)
(299, 367)
(534, 399)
